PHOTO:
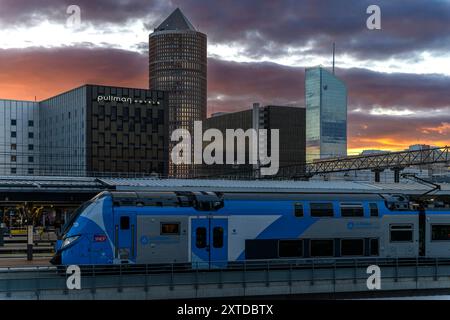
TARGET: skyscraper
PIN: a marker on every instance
(326, 114)
(178, 64)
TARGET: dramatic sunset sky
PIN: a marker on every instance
(398, 78)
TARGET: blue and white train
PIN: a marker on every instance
(212, 229)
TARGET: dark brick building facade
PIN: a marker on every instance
(290, 121)
(94, 129)
(129, 135)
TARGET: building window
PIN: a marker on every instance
(31, 147)
(113, 113)
(298, 210)
(13, 158)
(13, 134)
(13, 170)
(13, 146)
(30, 135)
(30, 171)
(30, 159)
(13, 122)
(401, 233)
(30, 123)
(321, 209)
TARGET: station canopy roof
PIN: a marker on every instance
(50, 183)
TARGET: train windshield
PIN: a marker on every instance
(74, 216)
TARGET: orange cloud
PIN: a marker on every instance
(42, 73)
(444, 128)
(356, 145)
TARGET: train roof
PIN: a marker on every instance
(213, 201)
(136, 196)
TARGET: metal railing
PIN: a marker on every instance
(307, 271)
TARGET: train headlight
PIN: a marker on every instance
(68, 241)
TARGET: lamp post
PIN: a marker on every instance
(30, 242)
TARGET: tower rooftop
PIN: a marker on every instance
(176, 21)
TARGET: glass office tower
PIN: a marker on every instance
(326, 115)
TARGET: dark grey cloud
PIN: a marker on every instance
(407, 26)
(273, 83)
(26, 12)
(270, 28)
(235, 86)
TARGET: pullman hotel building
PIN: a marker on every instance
(86, 130)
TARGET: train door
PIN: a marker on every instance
(125, 237)
(209, 242)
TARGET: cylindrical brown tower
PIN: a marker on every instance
(177, 56)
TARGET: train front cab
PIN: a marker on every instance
(86, 237)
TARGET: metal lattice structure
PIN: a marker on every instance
(375, 162)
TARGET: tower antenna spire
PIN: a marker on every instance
(334, 52)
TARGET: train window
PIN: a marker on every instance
(352, 210)
(440, 232)
(218, 237)
(321, 209)
(172, 228)
(290, 248)
(200, 235)
(124, 223)
(298, 210)
(261, 249)
(373, 209)
(374, 247)
(322, 248)
(401, 233)
(352, 247)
